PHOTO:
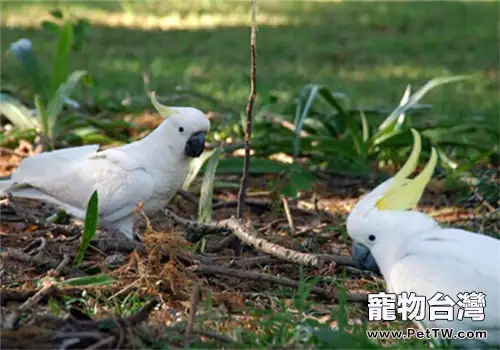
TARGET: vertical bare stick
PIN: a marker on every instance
(248, 130)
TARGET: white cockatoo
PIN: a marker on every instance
(416, 255)
(150, 170)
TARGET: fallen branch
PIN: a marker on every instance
(12, 319)
(264, 246)
(207, 333)
(37, 261)
(344, 260)
(284, 281)
(198, 230)
(195, 230)
(65, 261)
(233, 204)
(223, 243)
(140, 316)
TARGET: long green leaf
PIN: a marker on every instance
(42, 117)
(90, 227)
(194, 168)
(364, 126)
(20, 116)
(392, 126)
(306, 98)
(60, 67)
(56, 104)
(347, 120)
(207, 188)
(418, 95)
(304, 103)
(95, 280)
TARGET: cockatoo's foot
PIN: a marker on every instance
(115, 240)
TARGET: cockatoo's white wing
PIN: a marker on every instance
(120, 180)
(46, 163)
(452, 261)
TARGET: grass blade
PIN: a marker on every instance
(60, 68)
(305, 100)
(194, 168)
(90, 227)
(20, 116)
(56, 104)
(95, 280)
(364, 127)
(417, 96)
(349, 122)
(389, 124)
(207, 188)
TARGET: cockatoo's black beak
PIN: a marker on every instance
(195, 145)
(362, 257)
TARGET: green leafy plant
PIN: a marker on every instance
(90, 226)
(207, 187)
(49, 98)
(323, 127)
(48, 115)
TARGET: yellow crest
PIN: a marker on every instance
(163, 110)
(405, 193)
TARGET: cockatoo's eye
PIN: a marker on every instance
(371, 238)
(181, 129)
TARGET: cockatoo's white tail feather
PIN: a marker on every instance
(5, 185)
(35, 193)
(37, 165)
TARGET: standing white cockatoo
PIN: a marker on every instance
(150, 170)
(416, 255)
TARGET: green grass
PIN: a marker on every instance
(369, 51)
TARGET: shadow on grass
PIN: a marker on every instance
(369, 51)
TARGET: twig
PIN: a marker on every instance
(284, 281)
(101, 343)
(18, 255)
(288, 215)
(338, 259)
(273, 249)
(195, 298)
(13, 318)
(482, 200)
(251, 204)
(181, 328)
(198, 230)
(249, 109)
(65, 261)
(188, 196)
(223, 243)
(140, 316)
(248, 263)
(12, 152)
(195, 230)
(31, 245)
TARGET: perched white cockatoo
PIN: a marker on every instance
(416, 255)
(150, 170)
